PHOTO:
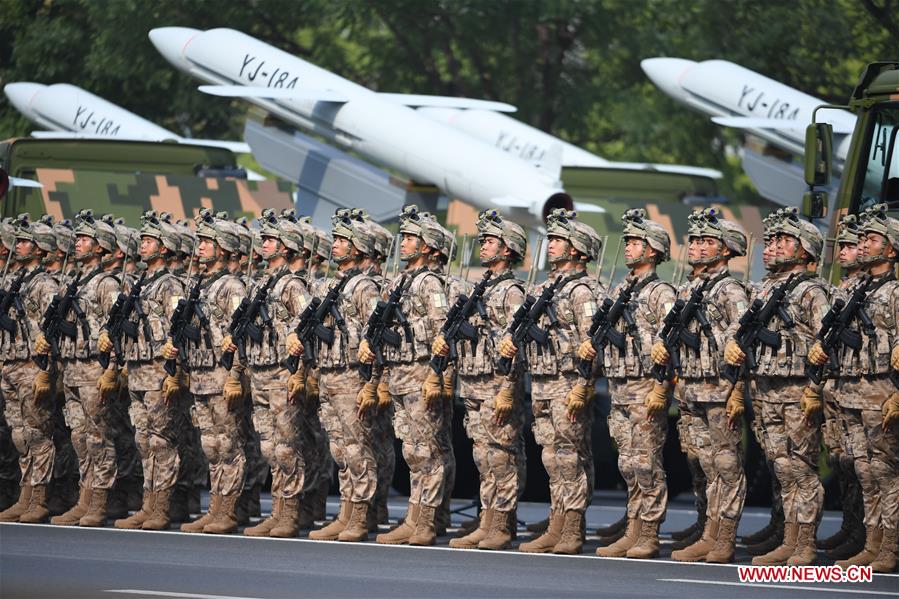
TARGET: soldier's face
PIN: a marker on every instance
(148, 246)
(634, 248)
(491, 247)
(848, 254)
(409, 245)
(787, 247)
(84, 245)
(694, 249)
(711, 247)
(206, 248)
(341, 247)
(558, 247)
(24, 247)
(875, 244)
(270, 245)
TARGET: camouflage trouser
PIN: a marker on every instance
(688, 447)
(420, 430)
(32, 423)
(350, 437)
(385, 454)
(128, 459)
(277, 421)
(495, 453)
(221, 433)
(793, 445)
(449, 455)
(315, 447)
(156, 429)
(9, 457)
(258, 465)
(563, 442)
(640, 440)
(836, 440)
(95, 427)
(194, 472)
(777, 507)
(875, 451)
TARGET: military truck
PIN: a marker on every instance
(128, 177)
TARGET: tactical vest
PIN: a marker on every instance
(158, 299)
(355, 311)
(874, 356)
(84, 345)
(415, 308)
(481, 359)
(32, 296)
(272, 349)
(217, 307)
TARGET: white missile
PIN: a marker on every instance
(69, 111)
(384, 128)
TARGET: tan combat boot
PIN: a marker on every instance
(692, 536)
(571, 541)
(886, 562)
(614, 528)
(425, 527)
(37, 511)
(265, 527)
(619, 548)
(698, 550)
(331, 531)
(647, 545)
(73, 516)
(500, 534)
(215, 500)
(779, 556)
(356, 529)
(873, 541)
(769, 544)
(225, 521)
(725, 541)
(15, 511)
(140, 516)
(288, 519)
(548, 540)
(481, 532)
(806, 551)
(400, 535)
(96, 513)
(160, 518)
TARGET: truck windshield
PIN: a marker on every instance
(881, 182)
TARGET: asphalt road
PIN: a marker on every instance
(52, 561)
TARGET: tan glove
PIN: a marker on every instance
(894, 358)
(507, 349)
(432, 390)
(104, 343)
(810, 403)
(385, 399)
(108, 383)
(296, 386)
(312, 390)
(449, 384)
(577, 399)
(656, 401)
(168, 350)
(659, 353)
(734, 407)
(440, 347)
(502, 404)
(42, 386)
(228, 344)
(367, 398)
(233, 393)
(733, 355)
(817, 355)
(172, 386)
(585, 350)
(890, 410)
(292, 345)
(40, 345)
(365, 355)
(123, 378)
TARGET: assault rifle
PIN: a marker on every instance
(524, 326)
(243, 323)
(182, 330)
(675, 331)
(54, 324)
(119, 322)
(312, 328)
(9, 299)
(457, 326)
(602, 330)
(379, 332)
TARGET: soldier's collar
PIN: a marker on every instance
(418, 271)
(652, 275)
(505, 276)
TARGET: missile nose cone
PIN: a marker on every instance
(171, 42)
(21, 95)
(667, 74)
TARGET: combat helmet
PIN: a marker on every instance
(65, 236)
(848, 230)
(638, 226)
(153, 226)
(349, 224)
(87, 225)
(730, 233)
(310, 239)
(323, 244)
(37, 232)
(221, 231)
(809, 236)
(415, 222)
(288, 233)
(127, 239)
(8, 234)
(187, 237)
(875, 220)
(491, 222)
(562, 223)
(383, 240)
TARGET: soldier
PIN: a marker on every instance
(638, 418)
(90, 389)
(30, 412)
(493, 404)
(790, 406)
(418, 396)
(218, 393)
(155, 405)
(560, 399)
(10, 474)
(716, 412)
(345, 405)
(868, 398)
(322, 255)
(276, 411)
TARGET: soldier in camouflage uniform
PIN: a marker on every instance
(715, 405)
(154, 396)
(868, 399)
(418, 394)
(560, 399)
(346, 404)
(218, 393)
(277, 411)
(30, 415)
(638, 419)
(9, 463)
(791, 407)
(493, 403)
(90, 390)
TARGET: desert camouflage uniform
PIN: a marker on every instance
(639, 438)
(383, 439)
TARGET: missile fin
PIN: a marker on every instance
(419, 100)
(278, 93)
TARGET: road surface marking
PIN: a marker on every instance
(172, 594)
